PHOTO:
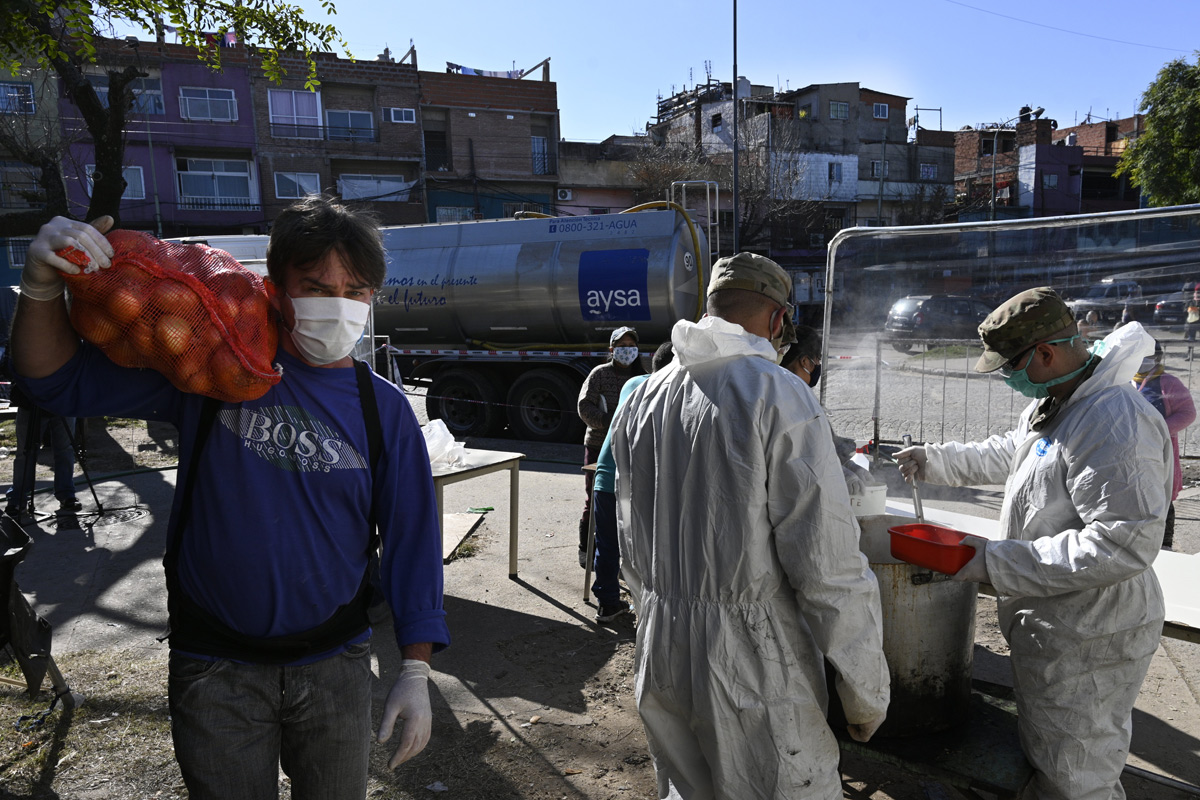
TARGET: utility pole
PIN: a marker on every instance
(882, 170)
(735, 134)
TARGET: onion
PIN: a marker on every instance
(173, 333)
(125, 305)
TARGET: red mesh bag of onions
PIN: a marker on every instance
(191, 312)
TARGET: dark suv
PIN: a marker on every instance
(938, 316)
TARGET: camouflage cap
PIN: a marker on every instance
(754, 273)
(1020, 322)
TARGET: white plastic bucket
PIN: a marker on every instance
(871, 503)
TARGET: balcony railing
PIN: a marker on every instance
(545, 164)
(330, 133)
(210, 203)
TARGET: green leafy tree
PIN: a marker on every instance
(62, 37)
(1164, 161)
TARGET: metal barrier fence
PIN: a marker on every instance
(936, 395)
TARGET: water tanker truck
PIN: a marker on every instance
(501, 320)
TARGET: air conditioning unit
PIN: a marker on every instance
(564, 195)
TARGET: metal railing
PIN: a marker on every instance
(209, 203)
(938, 397)
(330, 133)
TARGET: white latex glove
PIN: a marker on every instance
(408, 700)
(863, 731)
(42, 276)
(855, 485)
(911, 461)
(975, 569)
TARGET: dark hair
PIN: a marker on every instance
(307, 231)
(808, 343)
(664, 355)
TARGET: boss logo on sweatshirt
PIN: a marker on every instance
(291, 439)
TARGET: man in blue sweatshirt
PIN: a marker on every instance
(272, 525)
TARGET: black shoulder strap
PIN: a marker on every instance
(370, 410)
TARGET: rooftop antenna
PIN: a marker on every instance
(691, 80)
(707, 71)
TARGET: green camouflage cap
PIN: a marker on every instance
(754, 273)
(1020, 322)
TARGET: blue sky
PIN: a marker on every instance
(611, 60)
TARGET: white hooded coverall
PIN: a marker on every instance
(742, 555)
(1084, 510)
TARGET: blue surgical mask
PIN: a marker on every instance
(1018, 380)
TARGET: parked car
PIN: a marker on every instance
(1170, 310)
(938, 316)
(1114, 301)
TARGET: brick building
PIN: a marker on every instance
(491, 145)
(1041, 170)
(357, 136)
(1102, 143)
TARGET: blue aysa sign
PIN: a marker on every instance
(612, 285)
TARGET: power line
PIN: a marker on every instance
(1065, 30)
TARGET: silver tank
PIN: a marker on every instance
(562, 281)
(928, 636)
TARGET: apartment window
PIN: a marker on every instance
(402, 114)
(839, 110)
(879, 169)
(295, 185)
(16, 98)
(835, 172)
(805, 112)
(147, 94)
(18, 248)
(542, 163)
(350, 126)
(511, 209)
(135, 184)
(295, 114)
(437, 140)
(215, 185)
(1050, 181)
(214, 105)
(929, 172)
(19, 186)
(455, 213)
(380, 188)
(717, 123)
(881, 111)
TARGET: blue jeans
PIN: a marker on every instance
(606, 587)
(64, 456)
(234, 725)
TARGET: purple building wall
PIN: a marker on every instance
(220, 191)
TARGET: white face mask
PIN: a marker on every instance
(625, 355)
(327, 328)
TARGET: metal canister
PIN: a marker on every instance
(928, 637)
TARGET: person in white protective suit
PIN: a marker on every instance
(1087, 474)
(741, 554)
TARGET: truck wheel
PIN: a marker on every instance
(467, 401)
(541, 407)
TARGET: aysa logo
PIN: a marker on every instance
(612, 285)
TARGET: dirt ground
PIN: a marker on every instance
(586, 742)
